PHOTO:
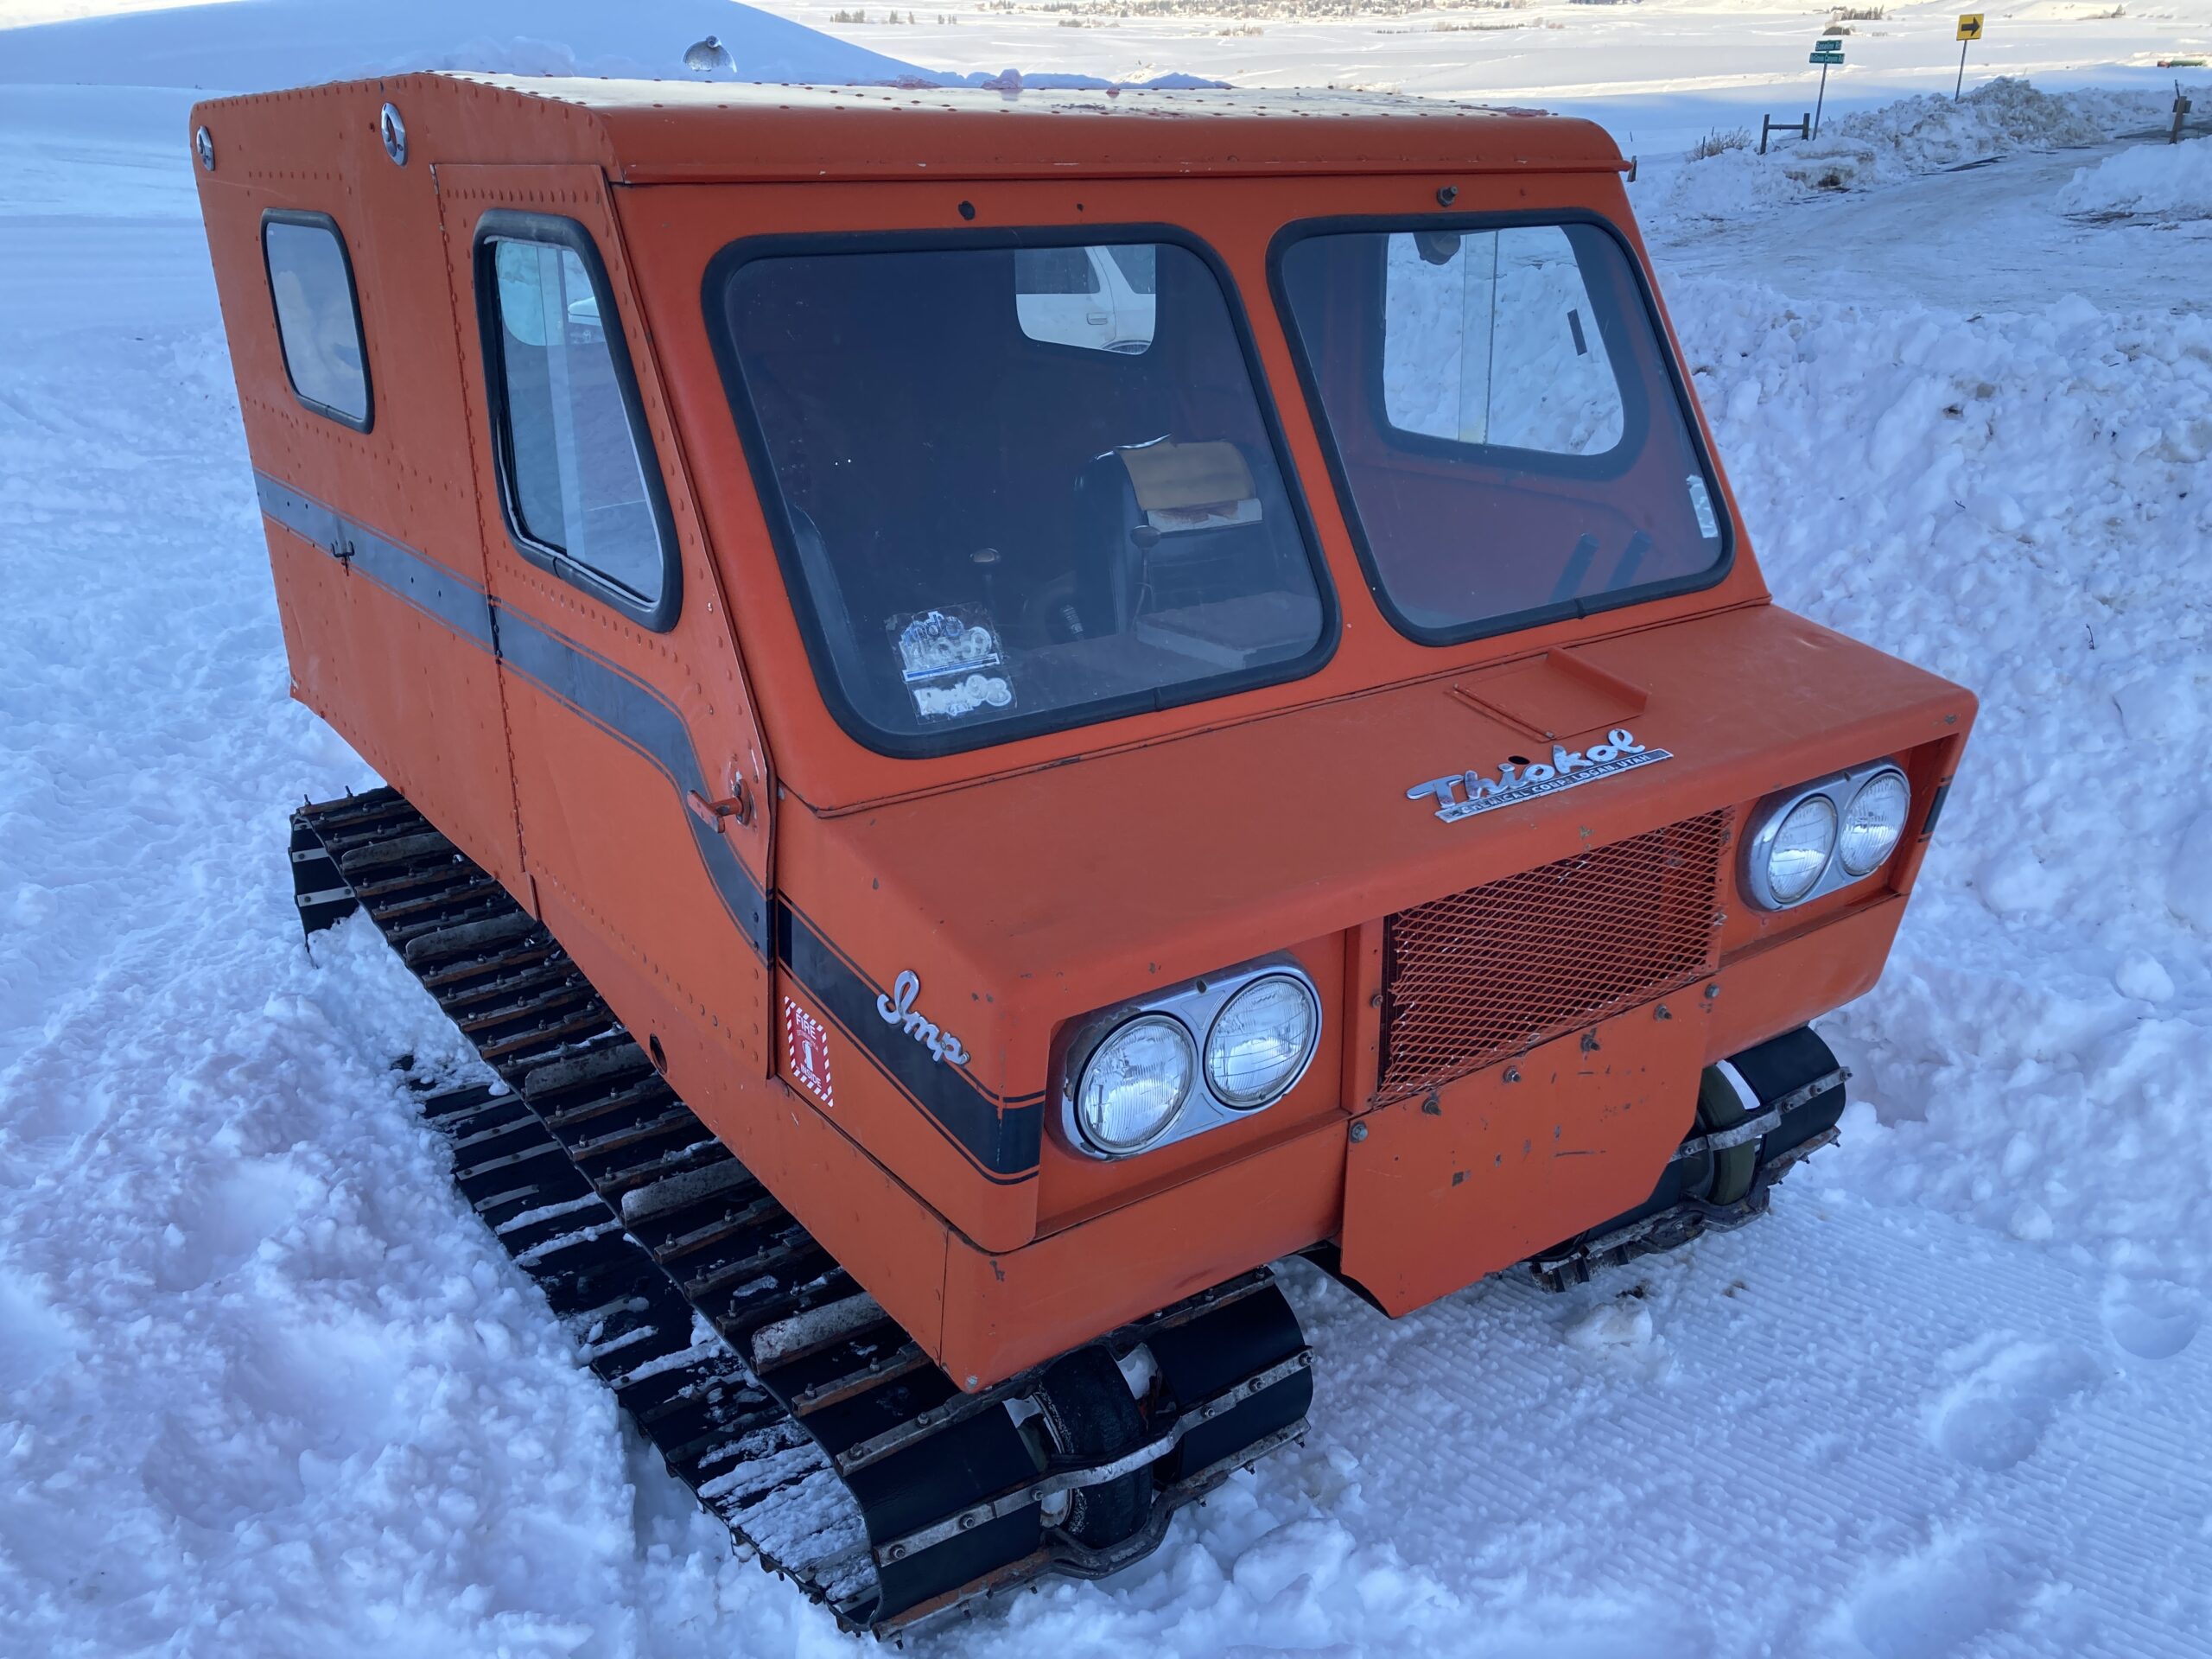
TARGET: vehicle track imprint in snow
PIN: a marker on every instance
(34, 1338)
(217, 1229)
(1937, 1600)
(1997, 1413)
(1865, 1430)
(2150, 1320)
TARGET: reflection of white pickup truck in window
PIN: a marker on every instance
(1101, 298)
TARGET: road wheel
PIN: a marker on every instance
(1719, 1107)
(1090, 1419)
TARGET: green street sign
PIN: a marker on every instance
(1824, 56)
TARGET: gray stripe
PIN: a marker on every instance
(1001, 1138)
(608, 698)
(429, 587)
(624, 709)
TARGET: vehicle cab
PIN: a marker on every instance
(1119, 686)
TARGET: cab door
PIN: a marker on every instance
(641, 780)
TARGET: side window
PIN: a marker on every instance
(1489, 338)
(318, 314)
(577, 475)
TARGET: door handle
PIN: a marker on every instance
(717, 815)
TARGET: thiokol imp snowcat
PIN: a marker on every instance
(1001, 709)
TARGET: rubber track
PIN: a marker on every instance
(740, 1350)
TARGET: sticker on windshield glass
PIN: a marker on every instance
(962, 696)
(1701, 504)
(1463, 794)
(952, 665)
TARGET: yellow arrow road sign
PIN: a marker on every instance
(1970, 26)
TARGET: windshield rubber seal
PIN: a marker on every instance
(1535, 616)
(775, 509)
(509, 225)
(320, 221)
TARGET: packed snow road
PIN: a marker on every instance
(266, 1389)
(1977, 240)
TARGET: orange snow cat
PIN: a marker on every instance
(1002, 708)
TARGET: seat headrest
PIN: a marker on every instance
(1191, 485)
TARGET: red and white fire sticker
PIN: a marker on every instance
(806, 1049)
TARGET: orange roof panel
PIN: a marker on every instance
(649, 132)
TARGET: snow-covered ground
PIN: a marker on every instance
(267, 1390)
(1660, 74)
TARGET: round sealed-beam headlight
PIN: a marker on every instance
(1799, 852)
(1872, 822)
(1261, 1041)
(1135, 1082)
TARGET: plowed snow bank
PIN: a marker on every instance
(2166, 182)
(2022, 504)
(1903, 140)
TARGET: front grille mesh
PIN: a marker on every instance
(1501, 968)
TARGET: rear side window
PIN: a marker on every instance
(318, 315)
(577, 475)
(1489, 338)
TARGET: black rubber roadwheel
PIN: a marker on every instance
(1719, 1107)
(1091, 1419)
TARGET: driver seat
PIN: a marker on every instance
(1173, 525)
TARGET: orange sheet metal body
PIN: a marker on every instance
(789, 916)
(1472, 1176)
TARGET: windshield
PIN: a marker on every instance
(1505, 422)
(1021, 488)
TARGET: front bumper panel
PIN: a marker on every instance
(1478, 1173)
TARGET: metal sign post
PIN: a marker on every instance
(1969, 31)
(1828, 54)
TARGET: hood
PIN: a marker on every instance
(1061, 890)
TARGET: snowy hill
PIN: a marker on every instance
(260, 45)
(249, 44)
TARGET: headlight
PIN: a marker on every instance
(1799, 852)
(1185, 1058)
(1134, 1084)
(1261, 1041)
(1872, 822)
(1824, 836)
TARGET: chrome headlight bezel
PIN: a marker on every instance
(1840, 789)
(1196, 1005)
